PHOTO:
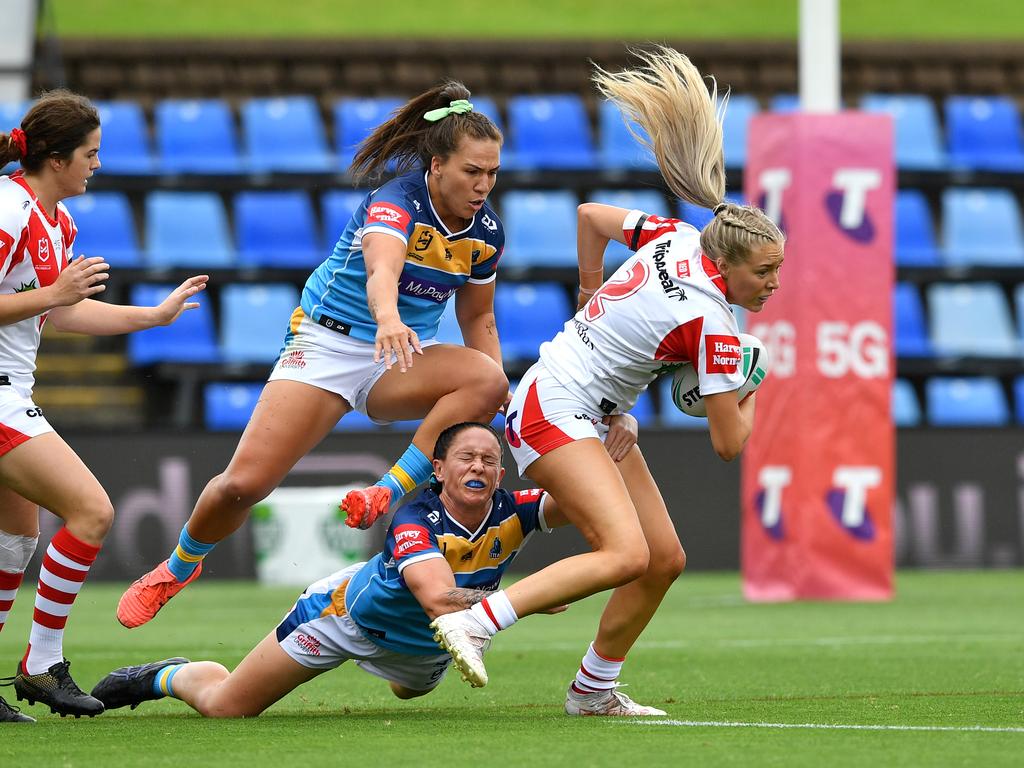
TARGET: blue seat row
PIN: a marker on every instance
(980, 227)
(981, 132)
(963, 319)
(279, 228)
(949, 401)
(286, 134)
(544, 131)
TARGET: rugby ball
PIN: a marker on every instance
(686, 389)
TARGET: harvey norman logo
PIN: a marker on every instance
(723, 353)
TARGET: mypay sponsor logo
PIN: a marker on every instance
(723, 353)
(847, 202)
(426, 290)
(668, 287)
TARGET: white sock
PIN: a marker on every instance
(495, 612)
(597, 673)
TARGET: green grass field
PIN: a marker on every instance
(934, 678)
(639, 20)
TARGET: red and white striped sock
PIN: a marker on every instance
(61, 576)
(597, 673)
(9, 583)
(495, 612)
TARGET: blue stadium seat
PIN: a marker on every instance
(918, 142)
(189, 339)
(984, 133)
(11, 113)
(784, 103)
(1018, 396)
(735, 127)
(285, 134)
(187, 229)
(355, 119)
(915, 231)
(529, 314)
(254, 320)
(643, 411)
(646, 200)
(448, 330)
(550, 131)
(228, 405)
(1018, 300)
(540, 229)
(276, 229)
(487, 106)
(982, 227)
(670, 416)
(619, 149)
(909, 323)
(971, 319)
(906, 411)
(699, 216)
(337, 206)
(106, 227)
(196, 136)
(977, 401)
(125, 145)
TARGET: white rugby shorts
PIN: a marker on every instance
(332, 361)
(544, 415)
(20, 419)
(328, 641)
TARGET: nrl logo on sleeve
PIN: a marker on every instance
(488, 222)
(723, 353)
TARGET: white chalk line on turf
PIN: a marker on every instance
(825, 726)
(705, 644)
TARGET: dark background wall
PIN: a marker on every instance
(960, 496)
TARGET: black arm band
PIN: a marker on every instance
(635, 239)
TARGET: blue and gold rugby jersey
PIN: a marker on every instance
(382, 605)
(437, 261)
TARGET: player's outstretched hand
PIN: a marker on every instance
(177, 301)
(396, 342)
(623, 431)
(82, 278)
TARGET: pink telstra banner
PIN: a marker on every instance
(818, 472)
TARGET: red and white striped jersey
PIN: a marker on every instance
(34, 248)
(664, 307)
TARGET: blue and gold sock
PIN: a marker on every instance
(162, 683)
(409, 471)
(187, 556)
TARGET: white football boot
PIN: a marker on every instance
(466, 640)
(610, 703)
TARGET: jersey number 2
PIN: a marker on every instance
(617, 290)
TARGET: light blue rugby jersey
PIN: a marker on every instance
(437, 263)
(382, 605)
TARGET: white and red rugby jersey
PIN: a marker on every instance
(34, 249)
(665, 306)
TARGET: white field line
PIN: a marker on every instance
(797, 642)
(824, 726)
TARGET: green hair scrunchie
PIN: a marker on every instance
(457, 107)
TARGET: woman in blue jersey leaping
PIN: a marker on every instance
(362, 338)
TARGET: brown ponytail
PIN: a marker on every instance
(410, 140)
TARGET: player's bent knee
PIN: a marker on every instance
(93, 517)
(241, 488)
(407, 693)
(667, 568)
